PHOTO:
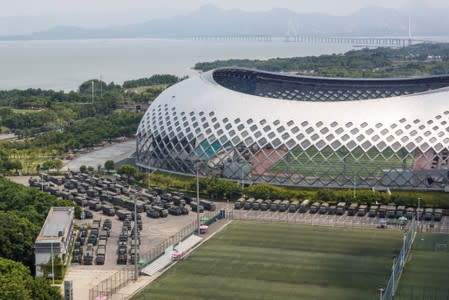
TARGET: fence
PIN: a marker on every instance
(111, 285)
(399, 262)
(121, 278)
(410, 292)
(311, 219)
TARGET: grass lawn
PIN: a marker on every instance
(426, 274)
(251, 260)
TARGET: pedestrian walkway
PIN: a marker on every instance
(164, 260)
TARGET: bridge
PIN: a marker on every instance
(234, 37)
(356, 41)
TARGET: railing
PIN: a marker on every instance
(112, 284)
(399, 262)
(312, 219)
(121, 278)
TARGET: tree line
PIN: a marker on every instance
(22, 213)
(381, 62)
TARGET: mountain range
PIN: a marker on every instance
(210, 20)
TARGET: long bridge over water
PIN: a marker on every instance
(356, 41)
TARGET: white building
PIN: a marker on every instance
(54, 237)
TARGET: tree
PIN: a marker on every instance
(17, 283)
(83, 169)
(17, 236)
(128, 170)
(109, 165)
(15, 280)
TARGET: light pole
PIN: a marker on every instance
(198, 197)
(243, 185)
(381, 291)
(419, 210)
(136, 274)
(52, 264)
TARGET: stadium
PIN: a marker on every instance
(255, 126)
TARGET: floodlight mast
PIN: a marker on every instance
(136, 272)
(198, 196)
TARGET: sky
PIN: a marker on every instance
(154, 8)
(26, 16)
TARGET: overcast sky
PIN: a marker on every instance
(155, 8)
(26, 16)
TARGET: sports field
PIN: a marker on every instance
(251, 260)
(426, 274)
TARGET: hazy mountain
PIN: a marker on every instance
(210, 20)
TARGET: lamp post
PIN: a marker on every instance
(419, 210)
(243, 184)
(198, 196)
(381, 291)
(136, 274)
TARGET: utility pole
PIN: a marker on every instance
(93, 87)
(101, 86)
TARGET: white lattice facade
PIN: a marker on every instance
(301, 131)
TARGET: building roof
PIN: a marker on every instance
(57, 224)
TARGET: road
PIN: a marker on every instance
(115, 152)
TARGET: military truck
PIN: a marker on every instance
(275, 205)
(283, 206)
(372, 212)
(341, 208)
(265, 205)
(428, 214)
(391, 211)
(239, 203)
(361, 212)
(438, 215)
(353, 208)
(256, 204)
(208, 205)
(314, 207)
(323, 208)
(410, 213)
(382, 211)
(304, 206)
(293, 207)
(248, 203)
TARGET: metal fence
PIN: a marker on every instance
(399, 262)
(410, 292)
(112, 284)
(121, 278)
(312, 219)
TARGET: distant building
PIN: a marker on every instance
(55, 237)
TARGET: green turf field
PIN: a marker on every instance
(329, 163)
(250, 260)
(427, 272)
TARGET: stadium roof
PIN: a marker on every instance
(305, 88)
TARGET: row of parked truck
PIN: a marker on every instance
(95, 240)
(354, 209)
(113, 197)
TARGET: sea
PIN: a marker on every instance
(65, 64)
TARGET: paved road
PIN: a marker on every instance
(115, 152)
